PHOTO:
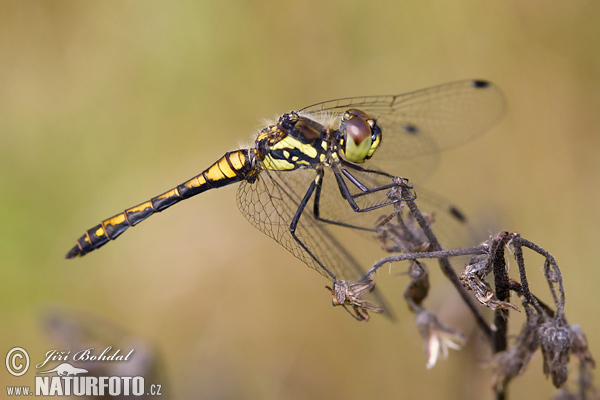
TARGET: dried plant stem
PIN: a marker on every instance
(546, 328)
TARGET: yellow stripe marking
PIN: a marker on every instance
(226, 169)
(214, 173)
(169, 194)
(292, 143)
(141, 207)
(277, 165)
(99, 232)
(238, 160)
(116, 220)
(201, 180)
(195, 182)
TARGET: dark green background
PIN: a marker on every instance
(104, 104)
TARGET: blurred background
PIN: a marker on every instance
(106, 104)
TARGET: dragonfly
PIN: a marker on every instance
(332, 164)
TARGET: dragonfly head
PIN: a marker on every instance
(360, 135)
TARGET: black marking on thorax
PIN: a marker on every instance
(295, 139)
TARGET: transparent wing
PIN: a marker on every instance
(449, 224)
(270, 204)
(423, 122)
(417, 124)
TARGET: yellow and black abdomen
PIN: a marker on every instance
(232, 167)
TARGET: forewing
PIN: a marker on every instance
(270, 204)
(449, 226)
(424, 122)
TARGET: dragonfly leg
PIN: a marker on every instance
(364, 190)
(393, 187)
(294, 225)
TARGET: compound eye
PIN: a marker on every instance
(358, 139)
(358, 130)
(354, 112)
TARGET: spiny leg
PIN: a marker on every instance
(296, 219)
(345, 194)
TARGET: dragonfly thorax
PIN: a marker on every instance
(294, 142)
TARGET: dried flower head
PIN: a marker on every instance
(555, 341)
(437, 337)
